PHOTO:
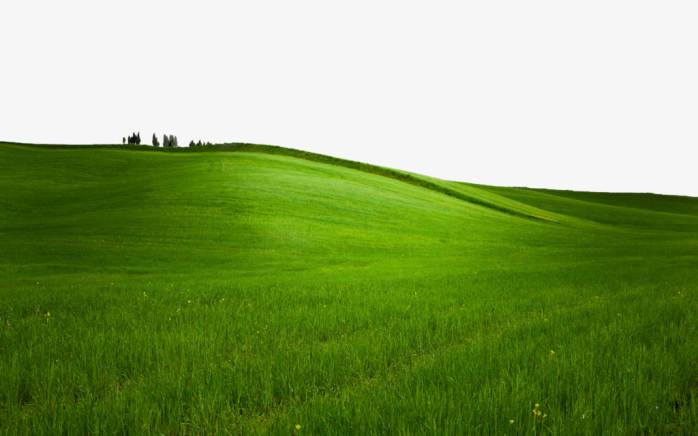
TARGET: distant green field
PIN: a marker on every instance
(248, 289)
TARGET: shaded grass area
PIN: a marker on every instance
(248, 293)
(660, 203)
(639, 212)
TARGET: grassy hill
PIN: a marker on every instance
(244, 288)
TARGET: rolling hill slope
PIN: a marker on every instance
(164, 213)
(241, 287)
(172, 213)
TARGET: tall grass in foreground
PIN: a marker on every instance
(441, 355)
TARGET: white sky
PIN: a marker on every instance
(586, 95)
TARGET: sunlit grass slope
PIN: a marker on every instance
(274, 291)
(112, 212)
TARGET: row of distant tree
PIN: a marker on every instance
(167, 141)
(135, 139)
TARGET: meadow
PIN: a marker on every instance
(248, 289)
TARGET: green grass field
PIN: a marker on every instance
(249, 289)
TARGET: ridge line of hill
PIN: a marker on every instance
(306, 155)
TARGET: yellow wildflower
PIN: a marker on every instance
(298, 427)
